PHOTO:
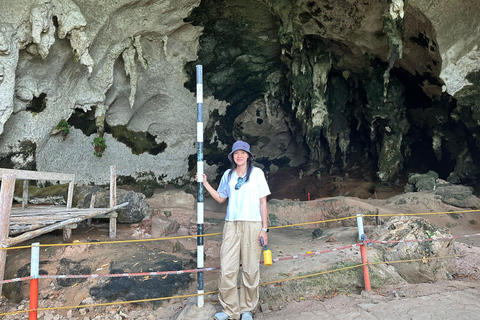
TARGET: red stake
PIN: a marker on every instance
(366, 276)
(33, 299)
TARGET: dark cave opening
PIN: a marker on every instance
(84, 121)
(138, 142)
(425, 115)
(38, 104)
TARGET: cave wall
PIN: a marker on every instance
(383, 88)
(118, 64)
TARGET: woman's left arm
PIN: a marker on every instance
(264, 214)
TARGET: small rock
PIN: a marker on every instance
(48, 316)
(88, 300)
(331, 239)
(264, 307)
(317, 233)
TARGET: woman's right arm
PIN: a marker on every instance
(214, 193)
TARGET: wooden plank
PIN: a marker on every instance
(48, 218)
(6, 199)
(38, 175)
(53, 211)
(29, 235)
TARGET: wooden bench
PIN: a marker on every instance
(19, 224)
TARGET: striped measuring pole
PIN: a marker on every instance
(200, 249)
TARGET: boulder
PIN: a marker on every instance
(162, 226)
(422, 182)
(169, 197)
(135, 211)
(458, 196)
(409, 228)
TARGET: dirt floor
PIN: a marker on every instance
(98, 258)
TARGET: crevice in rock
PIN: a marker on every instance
(38, 104)
(139, 142)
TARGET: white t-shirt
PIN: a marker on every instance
(244, 203)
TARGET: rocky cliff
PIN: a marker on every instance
(380, 88)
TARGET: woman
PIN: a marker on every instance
(245, 223)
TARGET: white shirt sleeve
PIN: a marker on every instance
(223, 188)
(263, 189)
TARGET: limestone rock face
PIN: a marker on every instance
(391, 87)
(276, 147)
(117, 67)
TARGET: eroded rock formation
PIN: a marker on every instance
(379, 88)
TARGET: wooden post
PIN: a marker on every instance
(70, 193)
(6, 199)
(113, 200)
(25, 194)
(92, 205)
(67, 233)
(67, 230)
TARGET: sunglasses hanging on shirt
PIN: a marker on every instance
(239, 183)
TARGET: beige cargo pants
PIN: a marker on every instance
(239, 244)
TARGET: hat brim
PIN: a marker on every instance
(230, 155)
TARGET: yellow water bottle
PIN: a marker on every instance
(267, 255)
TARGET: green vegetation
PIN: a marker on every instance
(428, 248)
(99, 146)
(64, 128)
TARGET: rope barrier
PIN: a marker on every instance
(171, 272)
(315, 222)
(315, 253)
(216, 291)
(77, 243)
(111, 275)
(416, 214)
(155, 273)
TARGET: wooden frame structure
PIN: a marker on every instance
(29, 222)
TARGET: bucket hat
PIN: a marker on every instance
(240, 145)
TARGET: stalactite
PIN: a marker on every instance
(393, 24)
